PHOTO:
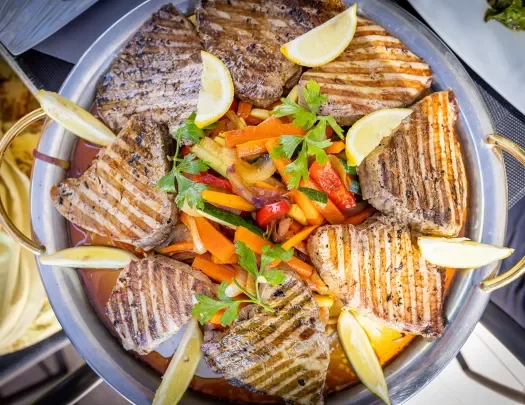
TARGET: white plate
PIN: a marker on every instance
(493, 51)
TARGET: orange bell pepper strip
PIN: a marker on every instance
(329, 181)
(177, 247)
(256, 243)
(228, 200)
(213, 270)
(233, 260)
(216, 318)
(269, 128)
(252, 148)
(299, 237)
(361, 217)
(214, 241)
(243, 109)
(329, 211)
(335, 147)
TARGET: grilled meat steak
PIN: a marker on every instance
(153, 299)
(285, 353)
(157, 75)
(247, 36)
(376, 71)
(417, 174)
(116, 197)
(375, 269)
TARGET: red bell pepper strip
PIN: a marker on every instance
(329, 181)
(211, 180)
(272, 211)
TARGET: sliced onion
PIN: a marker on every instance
(198, 246)
(257, 196)
(261, 170)
(340, 169)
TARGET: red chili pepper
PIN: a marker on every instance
(211, 180)
(329, 181)
(271, 211)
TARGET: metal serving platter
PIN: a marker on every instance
(416, 366)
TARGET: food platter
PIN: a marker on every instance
(410, 372)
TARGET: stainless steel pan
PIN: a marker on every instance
(422, 361)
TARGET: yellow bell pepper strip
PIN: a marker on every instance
(228, 200)
(297, 214)
(299, 237)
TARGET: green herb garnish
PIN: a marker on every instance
(206, 307)
(314, 142)
(175, 181)
(511, 13)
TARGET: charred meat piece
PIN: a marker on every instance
(247, 36)
(417, 174)
(116, 197)
(153, 299)
(157, 75)
(375, 269)
(284, 353)
(376, 71)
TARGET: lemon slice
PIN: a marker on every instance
(366, 134)
(182, 367)
(361, 355)
(216, 94)
(323, 43)
(460, 253)
(74, 118)
(92, 257)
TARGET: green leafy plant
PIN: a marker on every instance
(314, 142)
(206, 307)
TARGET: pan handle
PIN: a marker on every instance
(490, 284)
(5, 141)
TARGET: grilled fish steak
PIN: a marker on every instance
(285, 353)
(116, 197)
(375, 269)
(157, 75)
(247, 37)
(152, 300)
(417, 174)
(375, 71)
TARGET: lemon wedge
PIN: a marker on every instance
(182, 367)
(216, 94)
(323, 43)
(366, 134)
(460, 253)
(74, 118)
(92, 257)
(361, 355)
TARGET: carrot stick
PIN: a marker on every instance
(335, 147)
(216, 318)
(299, 237)
(214, 271)
(329, 210)
(256, 243)
(251, 148)
(243, 110)
(214, 241)
(312, 214)
(270, 128)
(361, 217)
(228, 200)
(234, 259)
(177, 247)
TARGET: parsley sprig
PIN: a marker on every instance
(314, 142)
(187, 191)
(206, 307)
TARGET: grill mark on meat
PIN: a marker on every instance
(396, 286)
(156, 75)
(417, 174)
(145, 290)
(114, 198)
(247, 36)
(375, 71)
(283, 353)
